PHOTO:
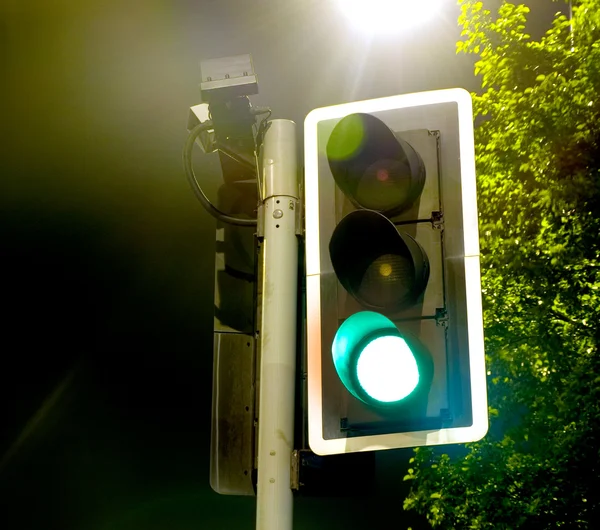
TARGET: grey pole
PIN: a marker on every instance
(278, 214)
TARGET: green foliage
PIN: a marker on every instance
(538, 166)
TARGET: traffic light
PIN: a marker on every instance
(394, 320)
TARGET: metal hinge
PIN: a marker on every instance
(295, 470)
(441, 317)
(437, 220)
(299, 219)
(260, 223)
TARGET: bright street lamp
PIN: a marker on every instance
(388, 16)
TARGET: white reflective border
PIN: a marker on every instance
(472, 274)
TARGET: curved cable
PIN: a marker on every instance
(200, 195)
(260, 135)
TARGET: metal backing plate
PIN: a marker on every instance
(232, 440)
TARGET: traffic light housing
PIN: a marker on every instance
(394, 320)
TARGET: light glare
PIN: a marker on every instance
(387, 369)
(388, 16)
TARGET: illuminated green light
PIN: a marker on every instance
(374, 362)
(387, 370)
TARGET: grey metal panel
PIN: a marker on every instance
(234, 286)
(232, 430)
(235, 261)
(228, 76)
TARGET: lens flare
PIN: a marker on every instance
(346, 139)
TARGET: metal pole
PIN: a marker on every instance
(278, 327)
(570, 10)
(571, 24)
(571, 29)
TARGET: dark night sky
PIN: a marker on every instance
(107, 258)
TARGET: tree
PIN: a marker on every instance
(538, 166)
